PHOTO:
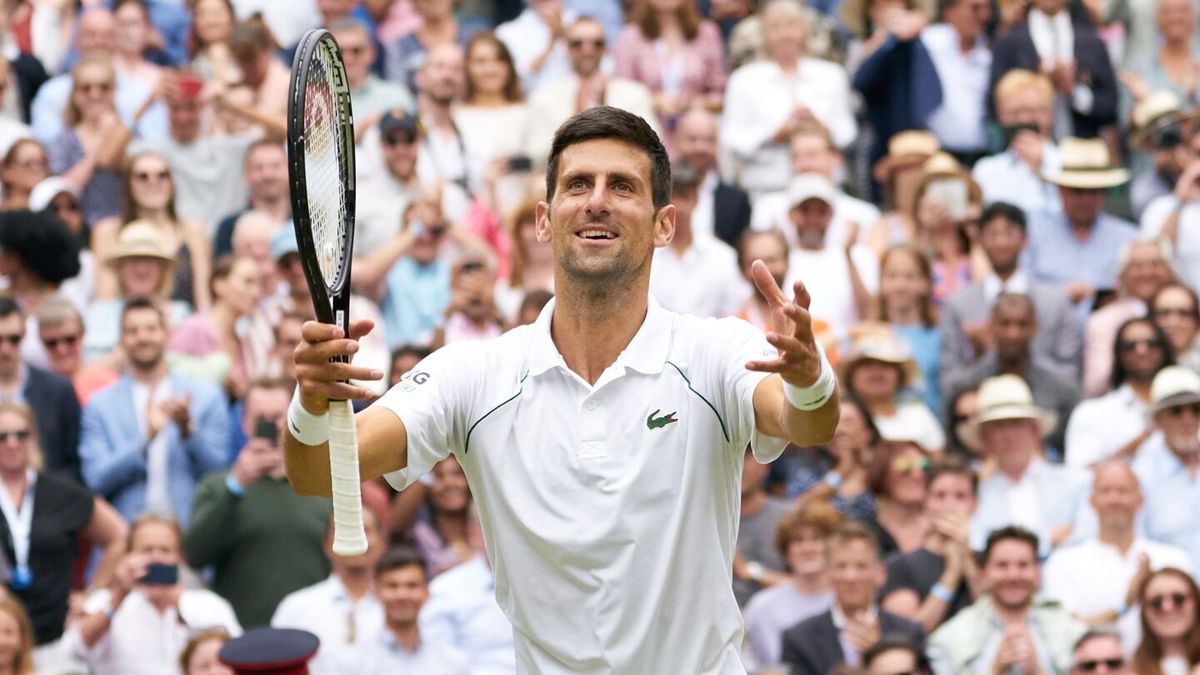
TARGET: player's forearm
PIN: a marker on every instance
(307, 467)
(809, 427)
(382, 448)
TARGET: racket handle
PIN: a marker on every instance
(349, 537)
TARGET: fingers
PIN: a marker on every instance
(360, 329)
(335, 371)
(314, 332)
(322, 352)
(766, 283)
(337, 391)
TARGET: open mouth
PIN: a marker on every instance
(596, 235)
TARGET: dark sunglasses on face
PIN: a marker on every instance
(68, 340)
(578, 44)
(1178, 410)
(1182, 312)
(13, 339)
(1159, 602)
(399, 139)
(1130, 345)
(19, 434)
(147, 175)
(1092, 666)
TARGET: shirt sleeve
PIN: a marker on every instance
(431, 401)
(737, 343)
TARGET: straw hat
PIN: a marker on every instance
(1172, 386)
(1005, 397)
(1156, 111)
(943, 165)
(1086, 165)
(140, 239)
(882, 346)
(904, 150)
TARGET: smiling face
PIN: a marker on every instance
(150, 183)
(17, 435)
(212, 20)
(1168, 606)
(601, 220)
(1011, 571)
(402, 591)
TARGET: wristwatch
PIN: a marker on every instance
(755, 571)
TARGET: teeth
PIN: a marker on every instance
(588, 234)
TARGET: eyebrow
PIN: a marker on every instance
(613, 176)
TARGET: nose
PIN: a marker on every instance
(597, 203)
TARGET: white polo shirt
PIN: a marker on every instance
(610, 512)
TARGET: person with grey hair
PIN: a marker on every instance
(60, 328)
(1099, 651)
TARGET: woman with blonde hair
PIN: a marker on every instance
(16, 638)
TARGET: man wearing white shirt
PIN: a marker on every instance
(1092, 578)
(695, 275)
(1025, 110)
(766, 100)
(536, 39)
(342, 610)
(462, 612)
(960, 54)
(1174, 219)
(722, 209)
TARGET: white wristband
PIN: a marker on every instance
(306, 427)
(816, 394)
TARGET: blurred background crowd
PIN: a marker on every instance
(995, 205)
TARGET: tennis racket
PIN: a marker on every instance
(320, 142)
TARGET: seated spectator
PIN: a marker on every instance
(49, 395)
(945, 201)
(1172, 218)
(1097, 579)
(207, 344)
(462, 612)
(841, 276)
(1099, 650)
(1011, 331)
(553, 102)
(403, 590)
(342, 610)
(1025, 112)
(17, 655)
(694, 274)
(1063, 44)
(150, 191)
(1011, 626)
(1116, 424)
(934, 582)
(898, 174)
(893, 655)
(965, 315)
(1142, 269)
(722, 209)
(853, 623)
(148, 439)
(143, 620)
(1008, 429)
(25, 81)
(61, 330)
(840, 471)
(199, 655)
(898, 483)
(262, 540)
(802, 541)
(879, 370)
(212, 21)
(757, 562)
(45, 518)
(1077, 248)
(472, 313)
(38, 257)
(265, 174)
(439, 518)
(1170, 622)
(765, 101)
(1167, 462)
(134, 42)
(1164, 130)
(24, 166)
(142, 262)
(1161, 60)
(1176, 310)
(53, 196)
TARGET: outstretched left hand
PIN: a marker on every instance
(799, 362)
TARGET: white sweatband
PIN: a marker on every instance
(816, 394)
(306, 427)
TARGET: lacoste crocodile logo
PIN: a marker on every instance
(653, 422)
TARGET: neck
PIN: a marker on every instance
(788, 63)
(753, 502)
(493, 99)
(158, 215)
(1141, 389)
(1190, 460)
(1014, 470)
(436, 22)
(1120, 536)
(14, 481)
(1173, 647)
(909, 313)
(668, 22)
(30, 289)
(811, 584)
(1178, 47)
(11, 380)
(152, 375)
(453, 526)
(436, 112)
(406, 632)
(900, 512)
(682, 239)
(1004, 274)
(883, 405)
(277, 207)
(593, 324)
(853, 609)
(965, 42)
(223, 316)
(1082, 229)
(356, 580)
(1014, 364)
(1012, 615)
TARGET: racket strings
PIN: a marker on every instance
(323, 164)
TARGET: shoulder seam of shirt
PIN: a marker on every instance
(724, 431)
(467, 442)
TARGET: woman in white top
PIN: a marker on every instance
(133, 33)
(1170, 602)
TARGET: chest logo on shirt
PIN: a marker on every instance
(653, 422)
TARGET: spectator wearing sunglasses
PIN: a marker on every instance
(1170, 624)
(1100, 651)
(1176, 309)
(1170, 459)
(60, 328)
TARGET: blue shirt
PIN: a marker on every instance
(925, 344)
(1172, 497)
(417, 295)
(1059, 496)
(46, 112)
(384, 655)
(1056, 255)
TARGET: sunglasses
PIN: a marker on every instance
(19, 434)
(1092, 666)
(1131, 345)
(1177, 411)
(399, 139)
(68, 340)
(1182, 312)
(1159, 602)
(578, 44)
(907, 464)
(33, 164)
(147, 175)
(13, 339)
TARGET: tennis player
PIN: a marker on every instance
(604, 442)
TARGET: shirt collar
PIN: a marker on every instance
(839, 618)
(646, 352)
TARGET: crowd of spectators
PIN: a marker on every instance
(994, 204)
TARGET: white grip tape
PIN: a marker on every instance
(349, 538)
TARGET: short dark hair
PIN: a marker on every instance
(889, 643)
(399, 558)
(854, 531)
(1009, 212)
(1009, 533)
(9, 306)
(605, 121)
(43, 243)
(134, 304)
(952, 466)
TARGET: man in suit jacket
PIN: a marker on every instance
(554, 102)
(50, 396)
(964, 318)
(722, 209)
(1064, 46)
(855, 622)
(151, 436)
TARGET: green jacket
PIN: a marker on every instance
(956, 647)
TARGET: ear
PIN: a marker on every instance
(664, 226)
(541, 222)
